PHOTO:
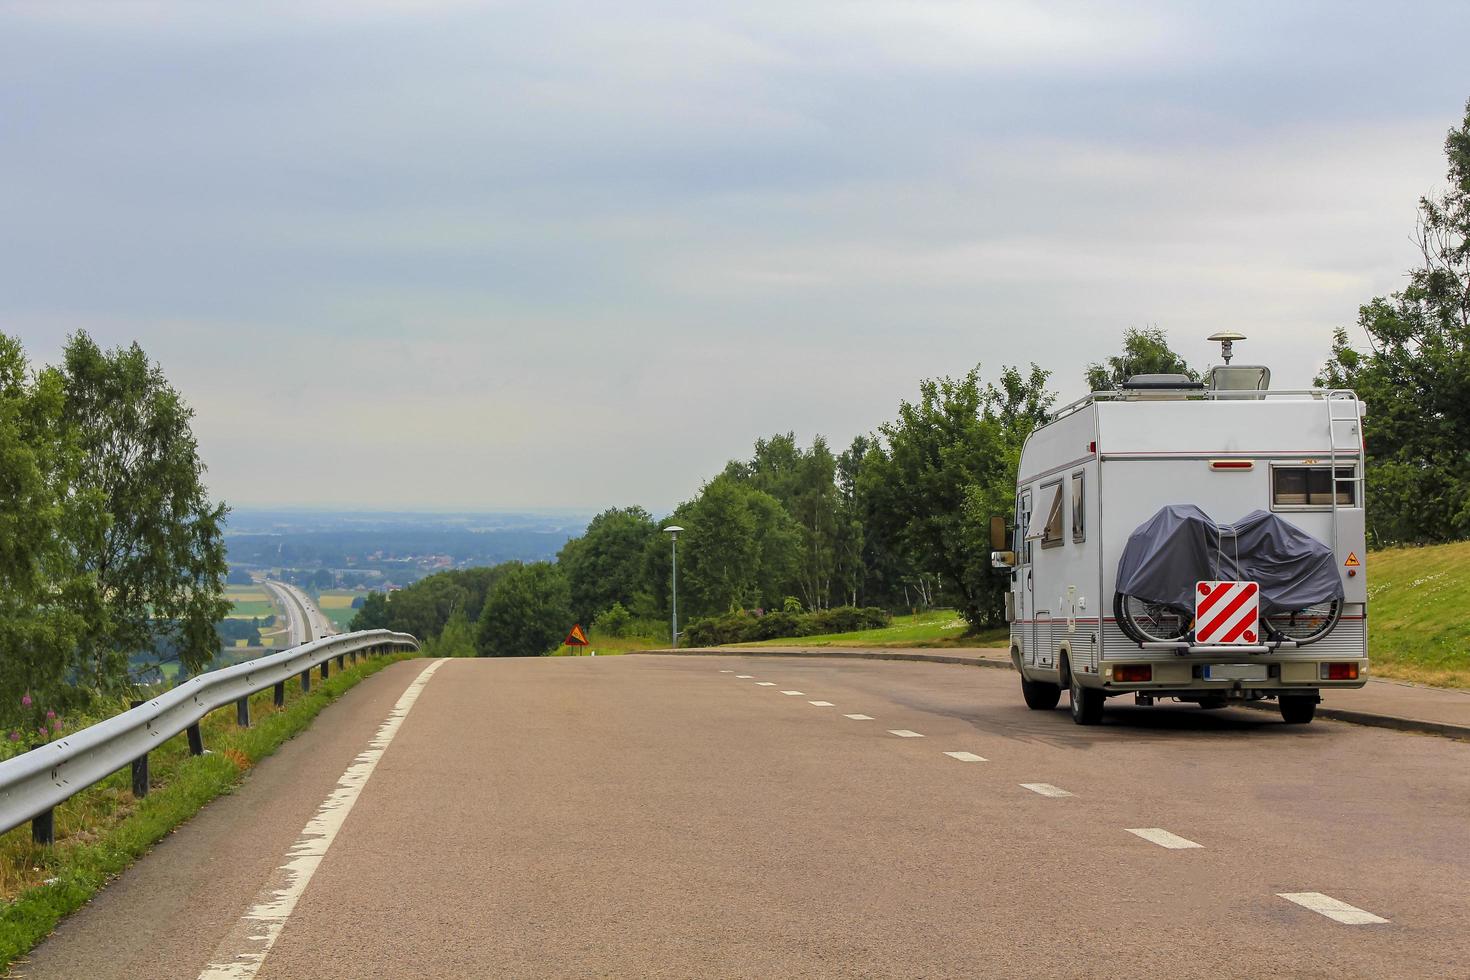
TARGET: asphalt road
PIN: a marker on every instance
(682, 817)
(307, 622)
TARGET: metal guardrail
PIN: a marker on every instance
(33, 784)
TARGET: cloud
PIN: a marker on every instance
(481, 240)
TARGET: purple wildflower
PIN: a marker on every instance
(56, 725)
(50, 714)
(26, 700)
(15, 736)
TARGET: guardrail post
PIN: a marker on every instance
(43, 828)
(326, 668)
(140, 776)
(306, 679)
(280, 694)
(341, 661)
(354, 657)
(242, 712)
(196, 739)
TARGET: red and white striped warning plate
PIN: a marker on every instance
(1227, 612)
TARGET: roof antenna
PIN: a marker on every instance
(1227, 339)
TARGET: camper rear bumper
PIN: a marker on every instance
(1195, 675)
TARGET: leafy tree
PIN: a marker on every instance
(604, 566)
(373, 615)
(456, 639)
(159, 560)
(739, 548)
(1415, 374)
(527, 613)
(1145, 351)
(46, 598)
(948, 460)
(804, 483)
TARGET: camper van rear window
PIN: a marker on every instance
(1051, 534)
(1311, 486)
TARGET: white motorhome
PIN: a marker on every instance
(1092, 479)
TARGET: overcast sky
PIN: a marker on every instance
(550, 254)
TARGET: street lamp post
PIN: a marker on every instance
(673, 530)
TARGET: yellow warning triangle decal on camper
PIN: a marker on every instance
(1352, 560)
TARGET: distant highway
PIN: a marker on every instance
(757, 817)
(306, 621)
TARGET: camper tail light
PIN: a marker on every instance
(1232, 464)
(1133, 673)
(1340, 672)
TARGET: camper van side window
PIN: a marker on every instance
(1051, 534)
(1079, 515)
(1304, 487)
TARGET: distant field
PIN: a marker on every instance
(937, 628)
(252, 610)
(336, 605)
(1419, 614)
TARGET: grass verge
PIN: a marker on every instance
(104, 828)
(937, 628)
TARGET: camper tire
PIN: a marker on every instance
(1039, 695)
(1087, 702)
(1298, 709)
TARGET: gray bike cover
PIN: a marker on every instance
(1180, 546)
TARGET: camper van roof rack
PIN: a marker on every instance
(1162, 382)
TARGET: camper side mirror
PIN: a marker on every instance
(998, 533)
(1003, 559)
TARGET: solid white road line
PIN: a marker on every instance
(765, 683)
(1163, 838)
(240, 956)
(1349, 915)
(859, 717)
(966, 757)
(795, 694)
(1045, 789)
(822, 704)
(904, 733)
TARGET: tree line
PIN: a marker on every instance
(899, 518)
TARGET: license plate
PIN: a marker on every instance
(1235, 672)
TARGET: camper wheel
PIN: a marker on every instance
(1087, 702)
(1298, 709)
(1039, 695)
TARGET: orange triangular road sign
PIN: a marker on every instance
(1352, 560)
(576, 638)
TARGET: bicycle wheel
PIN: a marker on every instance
(1150, 622)
(1305, 625)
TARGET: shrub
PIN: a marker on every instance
(613, 621)
(743, 626)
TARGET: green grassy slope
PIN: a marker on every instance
(1419, 614)
(936, 628)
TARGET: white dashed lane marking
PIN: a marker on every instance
(1045, 789)
(822, 704)
(795, 694)
(744, 677)
(1349, 915)
(966, 757)
(765, 683)
(727, 671)
(904, 733)
(1163, 838)
(859, 717)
